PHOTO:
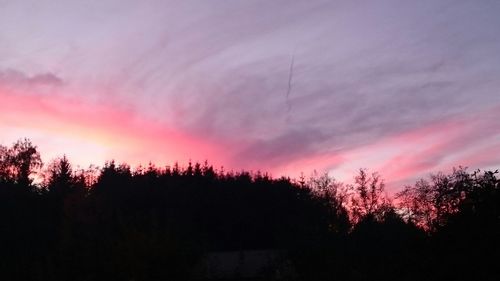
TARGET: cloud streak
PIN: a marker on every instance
(14, 78)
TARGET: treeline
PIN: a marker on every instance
(151, 223)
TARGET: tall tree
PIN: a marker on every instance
(60, 176)
(368, 197)
(19, 162)
(333, 195)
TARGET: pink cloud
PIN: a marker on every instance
(401, 159)
(461, 140)
(92, 133)
(111, 132)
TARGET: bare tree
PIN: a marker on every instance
(368, 197)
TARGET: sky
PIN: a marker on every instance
(404, 88)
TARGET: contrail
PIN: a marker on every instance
(290, 76)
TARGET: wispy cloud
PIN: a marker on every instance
(14, 78)
(218, 72)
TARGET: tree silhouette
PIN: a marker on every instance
(19, 162)
(152, 223)
(368, 198)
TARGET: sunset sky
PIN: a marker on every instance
(401, 87)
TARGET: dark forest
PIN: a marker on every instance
(157, 223)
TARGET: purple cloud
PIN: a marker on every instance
(219, 70)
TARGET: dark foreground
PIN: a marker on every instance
(200, 223)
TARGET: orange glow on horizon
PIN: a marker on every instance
(90, 133)
(87, 131)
